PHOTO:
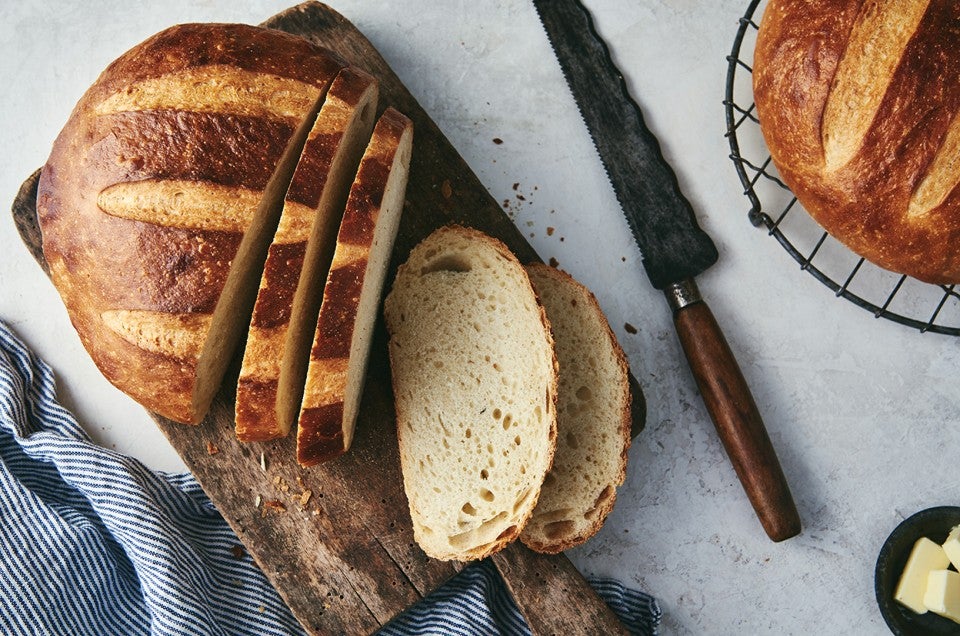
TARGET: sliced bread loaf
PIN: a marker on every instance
(593, 417)
(351, 297)
(160, 196)
(474, 378)
(278, 341)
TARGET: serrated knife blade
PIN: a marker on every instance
(674, 250)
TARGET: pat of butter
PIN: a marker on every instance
(952, 547)
(925, 557)
(943, 594)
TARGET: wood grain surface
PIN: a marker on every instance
(335, 539)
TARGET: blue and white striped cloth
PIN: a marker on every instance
(93, 542)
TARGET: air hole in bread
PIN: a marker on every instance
(602, 502)
(558, 529)
(447, 263)
(482, 535)
(468, 509)
(497, 414)
(521, 502)
(538, 413)
(584, 394)
(490, 450)
(484, 474)
(507, 422)
(468, 433)
(516, 440)
(486, 495)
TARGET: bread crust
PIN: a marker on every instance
(327, 415)
(314, 197)
(876, 167)
(104, 260)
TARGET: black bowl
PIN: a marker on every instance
(935, 524)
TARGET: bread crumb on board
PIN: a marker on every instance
(275, 505)
(212, 449)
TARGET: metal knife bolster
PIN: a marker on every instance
(682, 294)
(673, 246)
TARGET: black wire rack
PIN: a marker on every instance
(905, 300)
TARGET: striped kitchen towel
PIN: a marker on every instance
(93, 542)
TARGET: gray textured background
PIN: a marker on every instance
(864, 413)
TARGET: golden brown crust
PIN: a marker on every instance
(240, 46)
(121, 259)
(323, 411)
(867, 145)
(320, 434)
(284, 269)
(255, 404)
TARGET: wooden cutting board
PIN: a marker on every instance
(335, 539)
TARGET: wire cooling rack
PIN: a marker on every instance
(905, 300)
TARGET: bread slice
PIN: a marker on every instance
(160, 196)
(351, 296)
(593, 417)
(475, 381)
(278, 341)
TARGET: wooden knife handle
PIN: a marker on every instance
(733, 411)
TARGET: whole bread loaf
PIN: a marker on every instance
(593, 417)
(351, 296)
(474, 379)
(859, 103)
(160, 197)
(274, 366)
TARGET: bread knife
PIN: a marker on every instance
(674, 251)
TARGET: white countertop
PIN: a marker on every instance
(864, 412)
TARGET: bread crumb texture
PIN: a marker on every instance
(474, 382)
(593, 417)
